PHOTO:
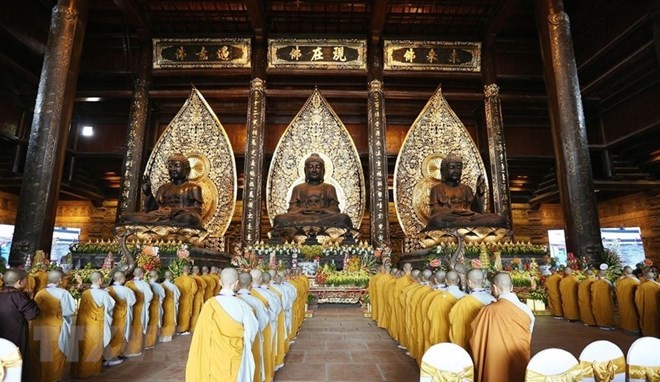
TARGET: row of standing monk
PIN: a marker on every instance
(591, 300)
(420, 309)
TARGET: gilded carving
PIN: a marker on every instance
(432, 55)
(497, 151)
(201, 53)
(316, 129)
(317, 54)
(378, 221)
(436, 132)
(197, 133)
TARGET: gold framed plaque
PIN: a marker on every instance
(194, 53)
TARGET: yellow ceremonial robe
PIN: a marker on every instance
(395, 306)
(416, 331)
(218, 284)
(461, 316)
(151, 336)
(584, 300)
(135, 343)
(40, 281)
(216, 349)
(282, 340)
(383, 306)
(168, 328)
(647, 300)
(500, 343)
(554, 295)
(29, 287)
(210, 286)
(47, 361)
(90, 321)
(119, 315)
(601, 303)
(269, 345)
(568, 288)
(438, 314)
(372, 294)
(198, 301)
(425, 344)
(405, 309)
(625, 295)
(188, 288)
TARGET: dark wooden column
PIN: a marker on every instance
(499, 170)
(46, 151)
(254, 150)
(378, 195)
(576, 189)
(654, 12)
(132, 168)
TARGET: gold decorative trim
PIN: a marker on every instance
(317, 129)
(436, 132)
(191, 53)
(317, 54)
(432, 55)
(197, 133)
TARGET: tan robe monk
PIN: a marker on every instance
(218, 284)
(155, 316)
(554, 295)
(210, 286)
(198, 301)
(463, 313)
(416, 328)
(625, 296)
(601, 303)
(500, 341)
(122, 315)
(40, 281)
(372, 294)
(568, 288)
(396, 306)
(383, 307)
(424, 319)
(227, 357)
(584, 300)
(647, 300)
(438, 315)
(270, 345)
(282, 339)
(405, 308)
(188, 288)
(135, 344)
(170, 310)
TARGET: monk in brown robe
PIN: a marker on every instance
(584, 299)
(198, 300)
(568, 288)
(467, 308)
(625, 288)
(647, 300)
(501, 336)
(601, 301)
(554, 295)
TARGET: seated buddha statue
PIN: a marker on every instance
(176, 203)
(454, 205)
(313, 203)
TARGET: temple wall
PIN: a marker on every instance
(635, 210)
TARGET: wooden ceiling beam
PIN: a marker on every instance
(378, 17)
(256, 16)
(618, 66)
(25, 25)
(139, 19)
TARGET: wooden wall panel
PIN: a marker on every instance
(627, 119)
(108, 138)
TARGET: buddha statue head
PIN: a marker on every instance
(178, 167)
(451, 168)
(314, 169)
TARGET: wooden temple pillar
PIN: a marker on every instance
(499, 170)
(129, 193)
(254, 150)
(574, 177)
(378, 195)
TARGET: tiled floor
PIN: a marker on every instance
(339, 344)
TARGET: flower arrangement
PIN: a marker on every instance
(182, 259)
(506, 250)
(345, 279)
(148, 258)
(102, 246)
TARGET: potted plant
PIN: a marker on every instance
(312, 302)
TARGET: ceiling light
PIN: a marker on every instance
(92, 99)
(87, 131)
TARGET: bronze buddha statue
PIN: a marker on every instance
(176, 203)
(313, 203)
(454, 205)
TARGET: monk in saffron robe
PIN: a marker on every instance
(372, 291)
(405, 308)
(554, 295)
(93, 325)
(188, 288)
(210, 283)
(416, 326)
(50, 334)
(122, 317)
(215, 273)
(501, 336)
(584, 299)
(143, 297)
(625, 288)
(439, 309)
(170, 308)
(647, 299)
(425, 343)
(273, 306)
(568, 289)
(282, 337)
(382, 298)
(467, 308)
(16, 309)
(263, 318)
(198, 301)
(601, 301)
(155, 311)
(41, 278)
(230, 322)
(396, 324)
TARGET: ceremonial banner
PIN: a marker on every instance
(317, 54)
(432, 55)
(201, 53)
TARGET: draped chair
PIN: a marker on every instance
(603, 361)
(553, 365)
(11, 362)
(446, 362)
(644, 360)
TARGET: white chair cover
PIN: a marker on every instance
(644, 360)
(553, 362)
(446, 362)
(11, 364)
(603, 361)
